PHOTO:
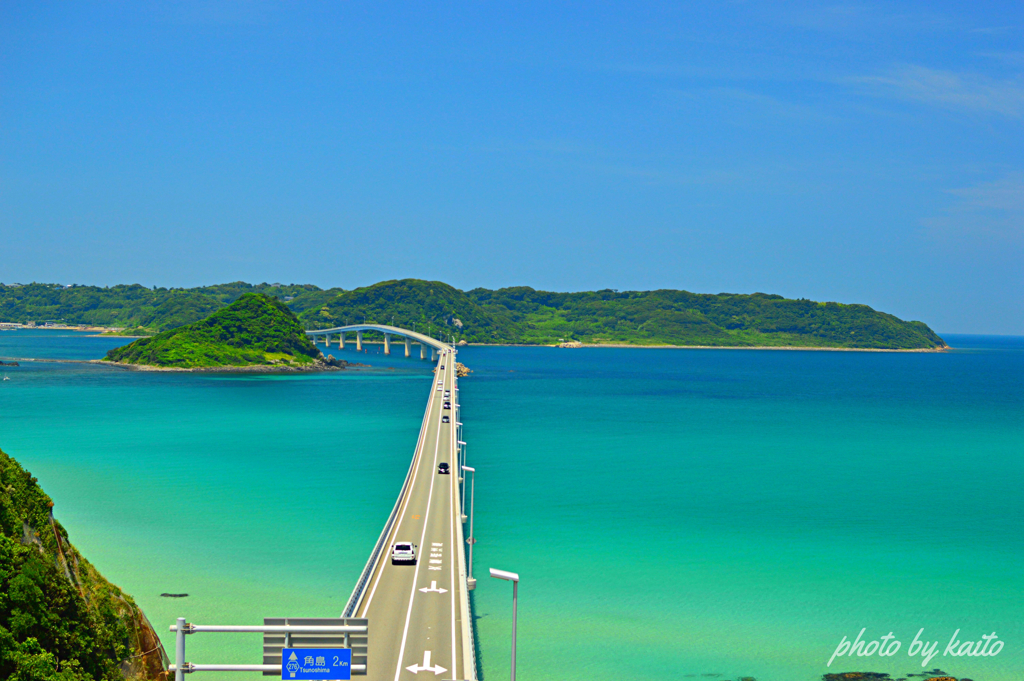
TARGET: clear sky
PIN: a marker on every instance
(860, 152)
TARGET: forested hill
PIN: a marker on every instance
(60, 620)
(509, 315)
(666, 317)
(255, 330)
(137, 308)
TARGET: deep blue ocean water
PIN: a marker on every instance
(672, 513)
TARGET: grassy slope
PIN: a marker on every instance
(59, 618)
(254, 330)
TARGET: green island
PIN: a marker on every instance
(254, 331)
(60, 620)
(516, 315)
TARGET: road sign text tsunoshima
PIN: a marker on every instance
(328, 664)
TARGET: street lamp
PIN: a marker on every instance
(514, 578)
(470, 582)
(462, 478)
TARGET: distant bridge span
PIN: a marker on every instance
(388, 331)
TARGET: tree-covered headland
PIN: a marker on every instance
(509, 315)
(255, 330)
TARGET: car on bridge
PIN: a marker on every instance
(403, 552)
(442, 468)
(445, 419)
(447, 405)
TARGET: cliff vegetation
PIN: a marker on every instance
(60, 620)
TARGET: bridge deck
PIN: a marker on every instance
(384, 328)
(419, 613)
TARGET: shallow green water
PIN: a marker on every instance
(672, 513)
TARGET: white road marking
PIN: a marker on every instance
(425, 667)
(433, 588)
(405, 506)
(412, 594)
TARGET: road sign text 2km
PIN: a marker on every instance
(328, 664)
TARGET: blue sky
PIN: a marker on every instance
(859, 152)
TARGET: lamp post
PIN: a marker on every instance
(462, 478)
(470, 582)
(514, 578)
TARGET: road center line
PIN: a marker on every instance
(423, 536)
(408, 495)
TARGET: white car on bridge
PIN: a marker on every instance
(403, 552)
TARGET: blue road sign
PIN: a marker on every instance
(329, 664)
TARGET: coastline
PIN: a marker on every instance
(315, 367)
(253, 369)
(706, 347)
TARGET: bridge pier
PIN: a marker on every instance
(423, 351)
(359, 341)
(433, 354)
(407, 347)
(327, 340)
(341, 342)
(387, 344)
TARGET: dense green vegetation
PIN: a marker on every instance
(59, 618)
(523, 315)
(509, 315)
(254, 330)
(429, 307)
(136, 308)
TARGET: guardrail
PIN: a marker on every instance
(182, 629)
(468, 644)
(364, 577)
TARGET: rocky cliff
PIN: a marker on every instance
(59, 618)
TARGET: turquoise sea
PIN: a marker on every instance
(673, 514)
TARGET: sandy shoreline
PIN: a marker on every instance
(255, 369)
(706, 347)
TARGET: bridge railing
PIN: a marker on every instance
(360, 588)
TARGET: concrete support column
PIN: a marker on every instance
(387, 344)
(359, 341)
(327, 340)
(423, 351)
(341, 342)
(406, 347)
(433, 354)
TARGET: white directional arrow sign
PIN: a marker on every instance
(433, 587)
(425, 667)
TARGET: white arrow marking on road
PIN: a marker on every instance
(433, 587)
(425, 667)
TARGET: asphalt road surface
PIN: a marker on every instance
(414, 611)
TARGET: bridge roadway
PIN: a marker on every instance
(417, 613)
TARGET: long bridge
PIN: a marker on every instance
(419, 618)
(414, 619)
(410, 337)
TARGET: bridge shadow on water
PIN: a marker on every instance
(476, 636)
